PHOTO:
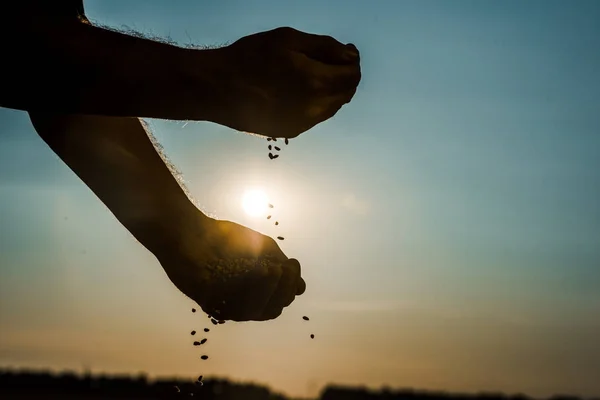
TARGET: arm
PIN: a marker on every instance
(118, 162)
(276, 83)
(64, 65)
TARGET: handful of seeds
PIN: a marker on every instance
(225, 269)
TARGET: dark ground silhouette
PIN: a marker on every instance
(25, 384)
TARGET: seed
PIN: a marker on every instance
(209, 317)
(177, 389)
(268, 217)
(193, 333)
(305, 318)
(221, 321)
(270, 205)
(312, 336)
(271, 156)
(206, 330)
(214, 321)
(193, 310)
(276, 223)
(200, 383)
(275, 156)
(269, 139)
(204, 357)
(277, 148)
(280, 237)
(200, 378)
(197, 343)
(274, 139)
(286, 141)
(203, 341)
(270, 147)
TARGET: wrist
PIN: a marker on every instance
(205, 84)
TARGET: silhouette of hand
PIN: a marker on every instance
(283, 81)
(235, 273)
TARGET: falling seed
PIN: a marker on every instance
(204, 357)
(197, 343)
(177, 389)
(270, 147)
(203, 341)
(275, 156)
(280, 237)
(305, 318)
(200, 378)
(206, 330)
(271, 156)
(193, 333)
(193, 310)
(214, 321)
(268, 217)
(286, 141)
(276, 223)
(192, 394)
(270, 205)
(200, 383)
(277, 148)
(312, 336)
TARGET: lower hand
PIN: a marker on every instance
(235, 273)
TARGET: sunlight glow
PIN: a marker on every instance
(255, 202)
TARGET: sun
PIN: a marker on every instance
(255, 202)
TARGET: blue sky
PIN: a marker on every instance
(447, 220)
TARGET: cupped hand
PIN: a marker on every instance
(235, 273)
(283, 82)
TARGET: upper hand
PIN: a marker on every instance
(283, 82)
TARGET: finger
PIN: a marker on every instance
(340, 78)
(326, 78)
(285, 292)
(329, 106)
(272, 314)
(260, 289)
(300, 287)
(248, 294)
(326, 49)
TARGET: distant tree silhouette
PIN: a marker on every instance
(41, 385)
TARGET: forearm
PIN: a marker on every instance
(73, 67)
(118, 162)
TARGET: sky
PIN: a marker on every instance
(447, 220)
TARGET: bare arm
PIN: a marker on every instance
(64, 65)
(276, 83)
(118, 162)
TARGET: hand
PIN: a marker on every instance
(235, 273)
(283, 82)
